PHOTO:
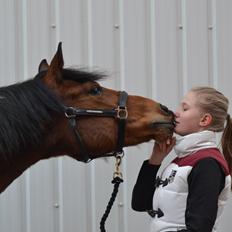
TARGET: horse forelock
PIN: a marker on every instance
(81, 75)
(24, 107)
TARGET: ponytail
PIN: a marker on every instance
(215, 103)
(226, 142)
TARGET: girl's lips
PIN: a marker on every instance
(177, 122)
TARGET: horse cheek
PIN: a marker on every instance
(100, 134)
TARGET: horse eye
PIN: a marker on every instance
(97, 90)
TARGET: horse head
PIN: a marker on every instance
(90, 121)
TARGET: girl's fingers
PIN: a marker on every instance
(168, 145)
(171, 145)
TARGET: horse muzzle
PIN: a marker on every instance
(165, 124)
(169, 125)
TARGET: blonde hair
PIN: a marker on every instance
(216, 104)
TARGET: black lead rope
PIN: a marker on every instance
(117, 180)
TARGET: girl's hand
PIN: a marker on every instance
(161, 150)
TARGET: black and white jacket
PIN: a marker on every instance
(189, 195)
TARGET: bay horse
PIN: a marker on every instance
(64, 111)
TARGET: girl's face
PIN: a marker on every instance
(188, 115)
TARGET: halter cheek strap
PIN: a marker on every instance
(119, 113)
(84, 155)
(122, 115)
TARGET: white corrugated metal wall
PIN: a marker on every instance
(155, 48)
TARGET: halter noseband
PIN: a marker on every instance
(120, 113)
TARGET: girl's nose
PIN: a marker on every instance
(177, 114)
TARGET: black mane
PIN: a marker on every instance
(26, 106)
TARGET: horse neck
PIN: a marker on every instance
(50, 146)
(10, 171)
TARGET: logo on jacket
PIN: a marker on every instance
(167, 181)
(172, 176)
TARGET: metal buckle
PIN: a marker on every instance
(69, 112)
(122, 113)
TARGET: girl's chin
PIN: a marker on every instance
(179, 132)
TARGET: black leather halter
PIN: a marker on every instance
(120, 113)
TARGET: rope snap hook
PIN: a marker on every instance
(117, 179)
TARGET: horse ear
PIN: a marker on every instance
(56, 66)
(43, 66)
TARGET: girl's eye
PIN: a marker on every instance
(97, 90)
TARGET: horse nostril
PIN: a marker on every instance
(168, 112)
(165, 110)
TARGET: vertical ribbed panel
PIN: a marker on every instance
(156, 48)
